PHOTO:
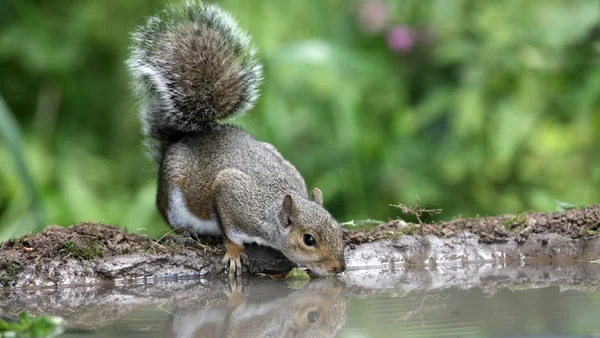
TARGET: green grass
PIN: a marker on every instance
(10, 132)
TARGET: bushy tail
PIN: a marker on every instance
(192, 65)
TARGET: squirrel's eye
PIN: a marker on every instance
(312, 317)
(309, 240)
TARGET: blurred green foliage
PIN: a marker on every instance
(478, 107)
(28, 326)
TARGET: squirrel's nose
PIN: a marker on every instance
(340, 268)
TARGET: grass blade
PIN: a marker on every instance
(11, 133)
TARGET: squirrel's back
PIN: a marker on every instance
(192, 66)
(224, 146)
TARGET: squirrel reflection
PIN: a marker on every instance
(269, 310)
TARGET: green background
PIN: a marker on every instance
(489, 107)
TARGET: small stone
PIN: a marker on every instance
(448, 232)
(401, 224)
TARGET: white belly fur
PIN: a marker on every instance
(241, 238)
(181, 218)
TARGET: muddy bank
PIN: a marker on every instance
(95, 253)
(573, 224)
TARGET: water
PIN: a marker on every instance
(459, 301)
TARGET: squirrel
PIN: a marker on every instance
(193, 68)
(270, 309)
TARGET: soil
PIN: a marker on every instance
(572, 223)
(93, 252)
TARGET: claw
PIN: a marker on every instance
(233, 259)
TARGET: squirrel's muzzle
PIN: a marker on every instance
(340, 268)
(335, 267)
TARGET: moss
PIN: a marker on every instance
(393, 235)
(88, 251)
(515, 222)
(12, 242)
(9, 272)
(589, 232)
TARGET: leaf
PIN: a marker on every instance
(597, 261)
(297, 273)
(297, 278)
(296, 284)
(563, 206)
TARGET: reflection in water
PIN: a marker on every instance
(268, 310)
(556, 301)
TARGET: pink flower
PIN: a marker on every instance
(400, 39)
(372, 16)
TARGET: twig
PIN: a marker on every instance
(422, 309)
(416, 211)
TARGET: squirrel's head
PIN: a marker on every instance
(313, 238)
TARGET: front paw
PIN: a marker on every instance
(234, 258)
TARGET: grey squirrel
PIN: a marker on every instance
(193, 67)
(270, 309)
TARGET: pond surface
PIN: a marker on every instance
(472, 301)
(545, 312)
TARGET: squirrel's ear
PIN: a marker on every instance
(317, 196)
(290, 210)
